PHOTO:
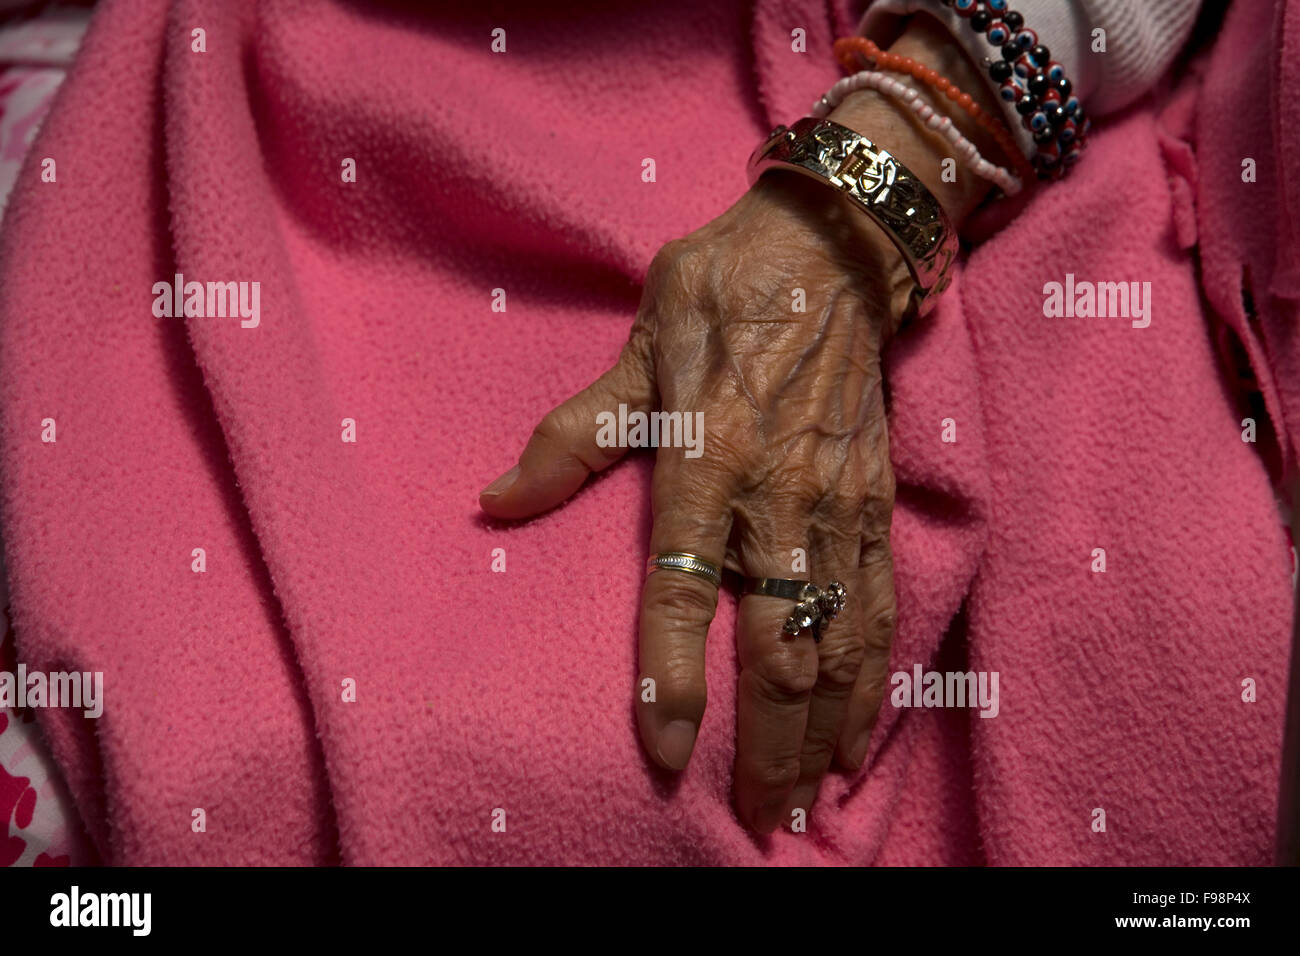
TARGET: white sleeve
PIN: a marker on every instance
(1142, 39)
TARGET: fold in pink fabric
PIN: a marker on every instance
(349, 679)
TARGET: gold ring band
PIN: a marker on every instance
(876, 183)
(685, 561)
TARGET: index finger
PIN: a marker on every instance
(692, 514)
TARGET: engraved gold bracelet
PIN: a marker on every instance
(875, 183)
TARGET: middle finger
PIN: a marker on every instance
(777, 670)
(834, 557)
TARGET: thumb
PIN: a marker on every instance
(563, 449)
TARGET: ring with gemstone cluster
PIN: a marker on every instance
(813, 607)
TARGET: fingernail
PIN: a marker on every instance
(676, 741)
(502, 483)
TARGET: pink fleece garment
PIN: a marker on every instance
(330, 562)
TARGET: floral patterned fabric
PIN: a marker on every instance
(38, 825)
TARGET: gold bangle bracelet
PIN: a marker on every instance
(875, 183)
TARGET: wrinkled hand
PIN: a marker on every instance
(795, 460)
(795, 453)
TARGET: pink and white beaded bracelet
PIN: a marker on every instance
(1001, 177)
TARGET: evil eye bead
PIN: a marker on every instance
(998, 33)
(1050, 96)
(996, 6)
(1055, 72)
(1071, 105)
(965, 8)
(1050, 153)
(1024, 66)
(1036, 121)
(1067, 132)
(1025, 40)
(1011, 90)
(1071, 154)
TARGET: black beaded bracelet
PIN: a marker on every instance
(1029, 78)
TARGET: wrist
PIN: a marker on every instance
(789, 204)
(895, 128)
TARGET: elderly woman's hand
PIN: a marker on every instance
(769, 321)
(794, 465)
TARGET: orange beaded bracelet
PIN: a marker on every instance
(846, 47)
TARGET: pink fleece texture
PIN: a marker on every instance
(331, 562)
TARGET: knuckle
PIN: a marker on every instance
(841, 660)
(678, 261)
(750, 299)
(683, 601)
(681, 682)
(821, 741)
(637, 355)
(885, 620)
(882, 482)
(785, 675)
(877, 509)
(881, 625)
(733, 449)
(774, 519)
(877, 475)
(776, 776)
(563, 428)
(888, 487)
(663, 260)
(795, 486)
(554, 426)
(869, 694)
(843, 504)
(671, 251)
(875, 550)
(842, 538)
